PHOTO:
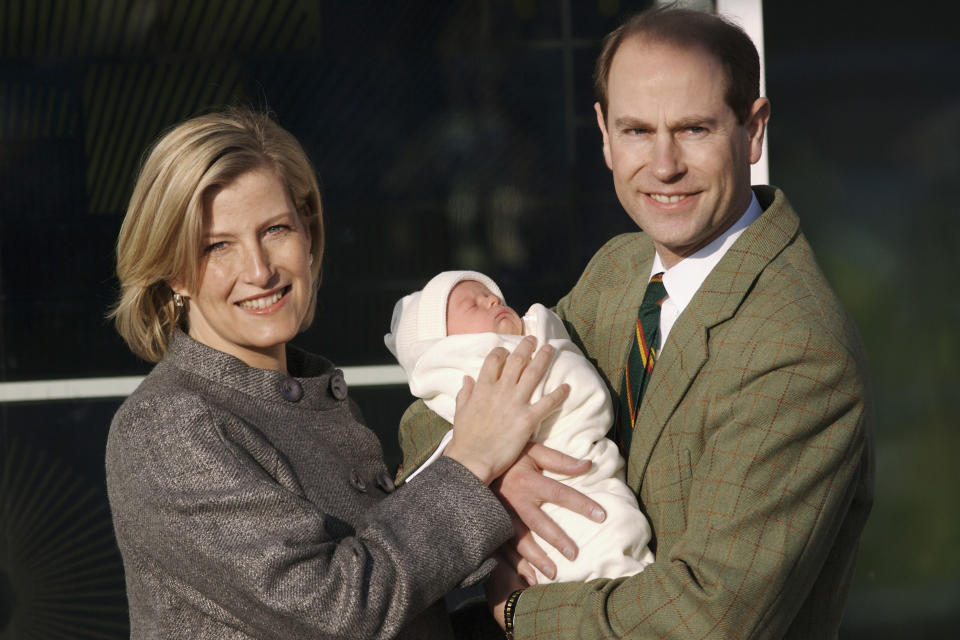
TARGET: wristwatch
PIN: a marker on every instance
(509, 607)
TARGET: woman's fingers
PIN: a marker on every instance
(463, 396)
(492, 367)
(550, 402)
(494, 418)
(518, 361)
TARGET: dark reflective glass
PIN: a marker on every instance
(453, 134)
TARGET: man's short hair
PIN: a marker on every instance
(687, 28)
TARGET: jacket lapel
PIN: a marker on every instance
(687, 347)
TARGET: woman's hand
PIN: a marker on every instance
(523, 489)
(494, 419)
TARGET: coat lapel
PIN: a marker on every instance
(687, 348)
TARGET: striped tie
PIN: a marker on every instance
(640, 361)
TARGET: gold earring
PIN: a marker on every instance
(178, 301)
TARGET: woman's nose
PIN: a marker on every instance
(258, 269)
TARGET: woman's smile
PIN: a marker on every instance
(267, 303)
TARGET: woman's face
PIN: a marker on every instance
(255, 283)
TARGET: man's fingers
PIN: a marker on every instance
(551, 533)
(525, 569)
(569, 498)
(556, 461)
(509, 553)
(531, 555)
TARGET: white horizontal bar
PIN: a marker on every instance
(68, 389)
(120, 387)
(373, 375)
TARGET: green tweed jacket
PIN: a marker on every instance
(753, 452)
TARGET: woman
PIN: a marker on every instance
(248, 498)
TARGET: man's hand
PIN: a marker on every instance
(523, 489)
(499, 585)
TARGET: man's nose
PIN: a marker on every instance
(667, 162)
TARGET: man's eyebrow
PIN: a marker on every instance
(628, 122)
(694, 121)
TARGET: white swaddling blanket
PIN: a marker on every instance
(614, 548)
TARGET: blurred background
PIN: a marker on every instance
(455, 135)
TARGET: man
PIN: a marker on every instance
(751, 447)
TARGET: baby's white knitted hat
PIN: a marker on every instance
(421, 317)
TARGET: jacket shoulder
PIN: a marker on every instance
(622, 254)
(165, 413)
(797, 294)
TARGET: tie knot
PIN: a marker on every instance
(655, 292)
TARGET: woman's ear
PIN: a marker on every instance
(177, 287)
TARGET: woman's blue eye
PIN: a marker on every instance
(215, 246)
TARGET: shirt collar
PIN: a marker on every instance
(683, 280)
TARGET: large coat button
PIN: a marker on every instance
(385, 482)
(338, 386)
(291, 390)
(357, 481)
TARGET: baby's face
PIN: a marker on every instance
(472, 308)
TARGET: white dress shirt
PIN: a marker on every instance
(683, 280)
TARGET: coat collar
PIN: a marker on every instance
(717, 300)
(313, 381)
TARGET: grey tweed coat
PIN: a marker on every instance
(251, 504)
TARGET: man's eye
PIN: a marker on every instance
(636, 132)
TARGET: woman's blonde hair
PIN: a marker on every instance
(161, 233)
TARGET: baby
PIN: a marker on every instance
(444, 331)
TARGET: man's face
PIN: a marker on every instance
(680, 160)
